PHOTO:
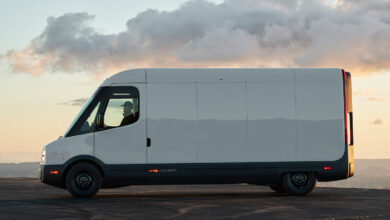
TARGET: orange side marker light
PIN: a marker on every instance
(153, 171)
(53, 172)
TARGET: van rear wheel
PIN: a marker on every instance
(83, 180)
(299, 184)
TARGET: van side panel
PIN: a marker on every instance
(221, 122)
(320, 119)
(171, 110)
(220, 75)
(271, 115)
(66, 148)
(171, 75)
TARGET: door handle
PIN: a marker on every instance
(148, 142)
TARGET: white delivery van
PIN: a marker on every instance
(286, 128)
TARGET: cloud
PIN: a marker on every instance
(368, 94)
(236, 33)
(363, 92)
(378, 121)
(75, 102)
(374, 99)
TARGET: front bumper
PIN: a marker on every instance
(48, 175)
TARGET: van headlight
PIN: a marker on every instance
(43, 159)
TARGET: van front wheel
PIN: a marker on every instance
(299, 184)
(83, 180)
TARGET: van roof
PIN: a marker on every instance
(223, 75)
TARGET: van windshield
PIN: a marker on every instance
(81, 111)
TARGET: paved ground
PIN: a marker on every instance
(29, 199)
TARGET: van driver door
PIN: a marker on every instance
(120, 137)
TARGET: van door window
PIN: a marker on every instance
(122, 107)
(85, 122)
(89, 125)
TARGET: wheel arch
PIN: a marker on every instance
(83, 159)
(282, 173)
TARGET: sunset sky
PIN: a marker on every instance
(54, 54)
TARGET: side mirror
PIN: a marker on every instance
(100, 122)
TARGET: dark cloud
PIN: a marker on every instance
(75, 102)
(301, 33)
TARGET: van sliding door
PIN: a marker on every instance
(171, 123)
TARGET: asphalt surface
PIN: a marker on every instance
(24, 198)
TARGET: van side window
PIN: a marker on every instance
(122, 107)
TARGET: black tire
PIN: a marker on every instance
(83, 180)
(299, 184)
(277, 188)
